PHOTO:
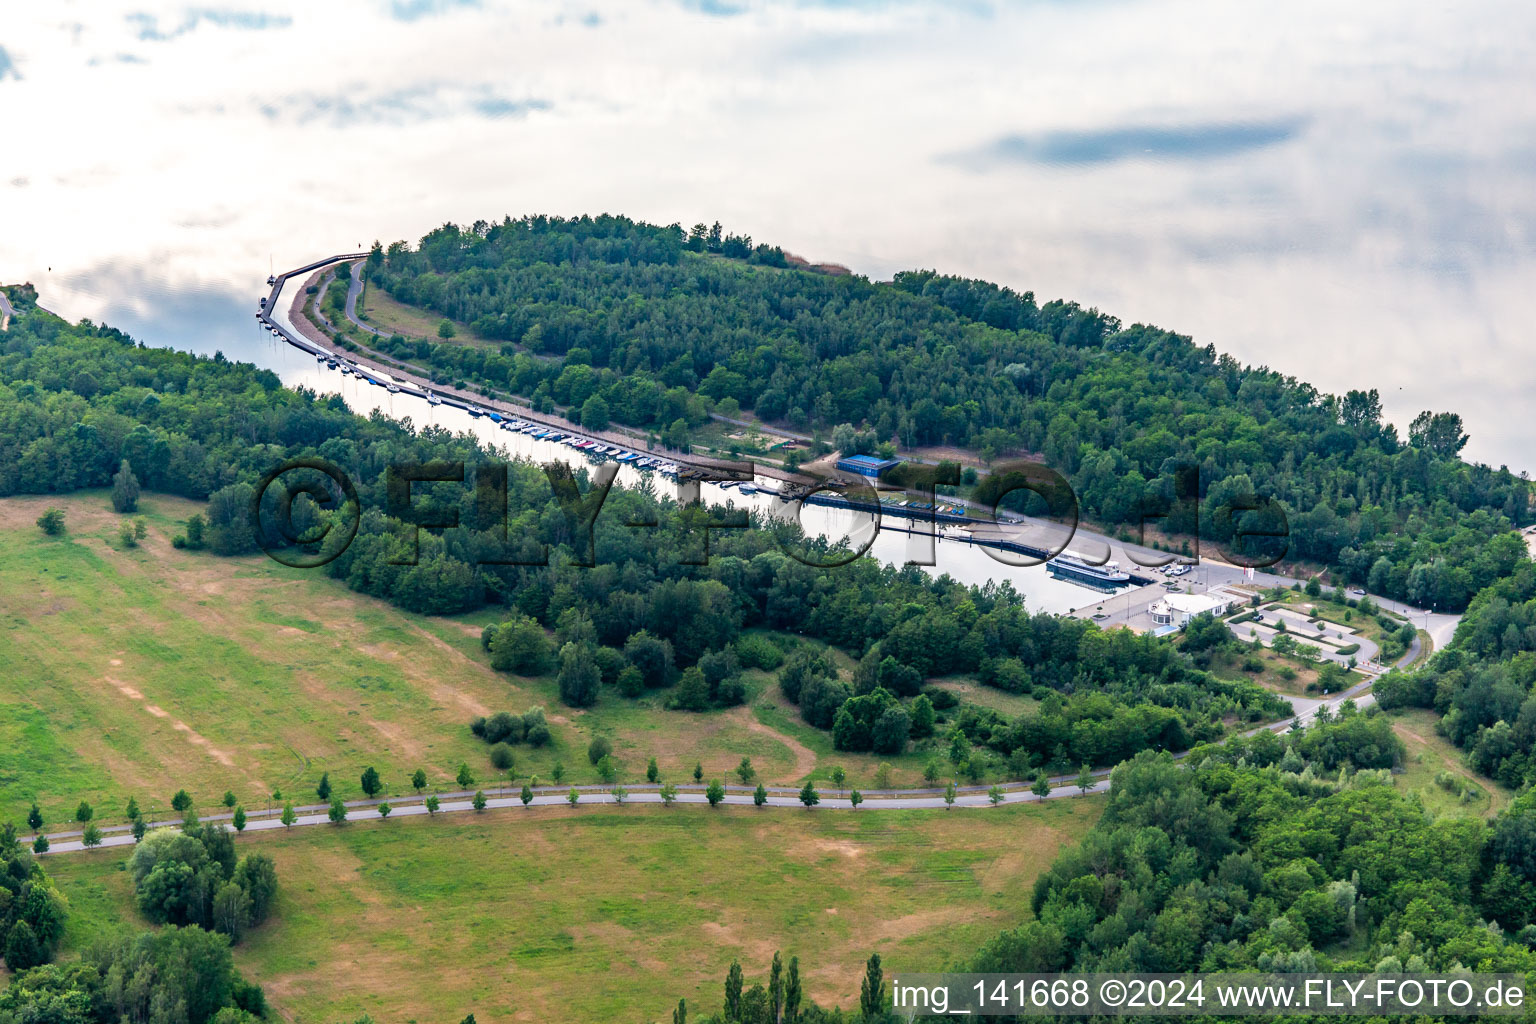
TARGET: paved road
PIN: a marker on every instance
(460, 805)
(6, 312)
(354, 292)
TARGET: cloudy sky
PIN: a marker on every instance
(1344, 193)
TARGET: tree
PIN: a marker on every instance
(595, 413)
(384, 809)
(84, 813)
(527, 794)
(838, 776)
(715, 793)
(465, 777)
(139, 828)
(579, 674)
(733, 981)
(372, 784)
(872, 990)
(520, 645)
(883, 776)
(631, 681)
(620, 794)
(419, 780)
(125, 489)
(35, 817)
(995, 794)
(607, 768)
(698, 771)
(338, 811)
(92, 836)
(52, 522)
(230, 799)
(432, 804)
(931, 771)
(196, 525)
(680, 1015)
(792, 993)
(323, 791)
(40, 844)
(131, 811)
(573, 797)
(239, 820)
(775, 989)
(745, 771)
(181, 801)
(257, 875)
(478, 803)
(231, 911)
(922, 716)
(668, 793)
(652, 771)
(126, 534)
(760, 795)
(1042, 786)
(691, 693)
(502, 758)
(445, 329)
(855, 798)
(289, 815)
(558, 773)
(22, 949)
(809, 796)
(1439, 433)
(949, 795)
(1085, 778)
(652, 656)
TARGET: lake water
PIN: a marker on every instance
(1343, 192)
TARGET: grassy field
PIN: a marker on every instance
(1431, 755)
(1303, 674)
(135, 672)
(377, 309)
(612, 914)
(971, 692)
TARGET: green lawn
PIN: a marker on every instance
(1438, 772)
(137, 672)
(612, 914)
(141, 671)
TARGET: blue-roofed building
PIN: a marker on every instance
(866, 465)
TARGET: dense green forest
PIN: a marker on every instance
(1284, 853)
(1484, 683)
(77, 403)
(656, 327)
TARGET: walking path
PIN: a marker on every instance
(779, 797)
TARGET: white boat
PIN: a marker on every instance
(1075, 567)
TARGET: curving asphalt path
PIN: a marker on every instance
(6, 312)
(461, 803)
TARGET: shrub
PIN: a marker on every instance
(755, 651)
(502, 758)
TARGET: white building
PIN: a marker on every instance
(1175, 610)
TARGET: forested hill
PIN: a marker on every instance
(655, 326)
